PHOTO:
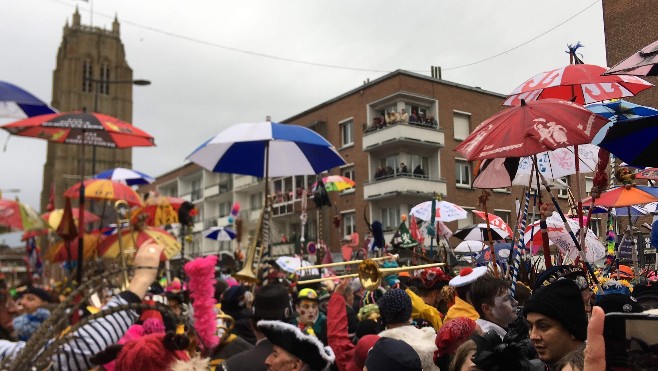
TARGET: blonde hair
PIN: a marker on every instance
(461, 353)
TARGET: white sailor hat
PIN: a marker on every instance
(467, 276)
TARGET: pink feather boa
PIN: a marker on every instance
(201, 273)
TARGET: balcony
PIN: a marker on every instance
(241, 182)
(394, 186)
(250, 215)
(430, 137)
(283, 208)
(218, 189)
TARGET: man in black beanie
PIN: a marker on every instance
(392, 354)
(556, 320)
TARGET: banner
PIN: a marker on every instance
(495, 221)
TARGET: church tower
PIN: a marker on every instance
(91, 73)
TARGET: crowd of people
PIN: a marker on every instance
(427, 319)
(403, 117)
(388, 171)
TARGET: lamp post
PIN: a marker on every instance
(98, 82)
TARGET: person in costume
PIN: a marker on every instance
(271, 302)
(32, 301)
(395, 307)
(571, 272)
(451, 336)
(99, 333)
(429, 284)
(556, 320)
(463, 306)
(392, 355)
(293, 350)
(492, 300)
(309, 319)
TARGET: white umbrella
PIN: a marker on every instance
(445, 211)
(478, 232)
(467, 247)
(219, 234)
(291, 263)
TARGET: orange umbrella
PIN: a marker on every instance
(626, 196)
(58, 253)
(110, 248)
(54, 217)
(105, 189)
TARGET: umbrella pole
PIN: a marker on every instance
(518, 241)
(581, 224)
(81, 211)
(483, 201)
(585, 263)
(633, 245)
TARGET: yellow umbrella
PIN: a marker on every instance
(53, 218)
(110, 248)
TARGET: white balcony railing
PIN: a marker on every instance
(403, 132)
(404, 184)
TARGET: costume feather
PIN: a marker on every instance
(201, 272)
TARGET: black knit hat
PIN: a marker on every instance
(272, 302)
(562, 301)
(36, 291)
(305, 347)
(395, 307)
(618, 303)
(392, 354)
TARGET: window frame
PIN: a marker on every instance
(460, 163)
(344, 124)
(467, 116)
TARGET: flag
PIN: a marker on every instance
(51, 199)
(415, 231)
(495, 221)
(403, 238)
(443, 231)
(67, 229)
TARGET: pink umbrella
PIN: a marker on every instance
(642, 63)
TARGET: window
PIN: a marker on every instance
(348, 172)
(349, 224)
(422, 161)
(390, 217)
(224, 209)
(104, 87)
(346, 133)
(564, 191)
(504, 214)
(256, 201)
(589, 183)
(462, 173)
(461, 223)
(87, 70)
(462, 125)
(196, 190)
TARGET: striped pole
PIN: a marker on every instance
(519, 246)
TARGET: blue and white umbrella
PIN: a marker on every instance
(219, 234)
(618, 110)
(18, 103)
(267, 149)
(127, 176)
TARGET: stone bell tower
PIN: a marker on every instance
(91, 73)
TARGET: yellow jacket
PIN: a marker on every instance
(461, 309)
(427, 312)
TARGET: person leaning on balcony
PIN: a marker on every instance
(403, 168)
(393, 118)
(418, 171)
(404, 116)
(414, 119)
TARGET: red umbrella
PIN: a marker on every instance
(582, 81)
(17, 216)
(64, 251)
(70, 128)
(531, 128)
(642, 63)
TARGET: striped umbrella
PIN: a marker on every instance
(127, 176)
(219, 234)
(132, 239)
(105, 189)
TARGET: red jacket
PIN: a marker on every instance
(337, 333)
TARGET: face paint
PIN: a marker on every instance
(308, 311)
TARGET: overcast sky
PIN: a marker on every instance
(216, 63)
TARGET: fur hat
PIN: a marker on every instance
(562, 301)
(392, 354)
(395, 307)
(305, 347)
(154, 352)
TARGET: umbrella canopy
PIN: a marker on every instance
(650, 173)
(478, 232)
(531, 128)
(623, 196)
(288, 149)
(110, 248)
(469, 247)
(558, 235)
(580, 81)
(219, 234)
(105, 189)
(162, 210)
(621, 110)
(17, 216)
(642, 63)
(503, 251)
(127, 176)
(336, 183)
(59, 253)
(444, 211)
(290, 263)
(77, 127)
(623, 211)
(53, 218)
(18, 103)
(505, 172)
(634, 141)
